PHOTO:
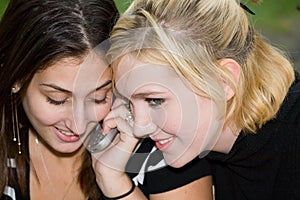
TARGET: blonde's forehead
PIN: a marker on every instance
(132, 74)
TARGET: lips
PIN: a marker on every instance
(163, 143)
(67, 133)
(67, 136)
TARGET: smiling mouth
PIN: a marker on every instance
(67, 133)
(165, 141)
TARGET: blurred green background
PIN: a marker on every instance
(278, 20)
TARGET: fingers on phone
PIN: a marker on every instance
(117, 118)
(119, 102)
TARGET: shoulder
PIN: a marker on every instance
(290, 109)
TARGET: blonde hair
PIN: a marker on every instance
(191, 36)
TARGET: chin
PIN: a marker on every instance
(69, 149)
(178, 161)
(182, 158)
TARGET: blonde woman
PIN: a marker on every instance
(202, 82)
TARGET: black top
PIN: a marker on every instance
(265, 165)
(159, 177)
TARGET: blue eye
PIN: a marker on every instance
(155, 101)
(57, 103)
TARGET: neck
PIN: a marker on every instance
(226, 140)
(47, 167)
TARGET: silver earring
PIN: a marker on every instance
(15, 119)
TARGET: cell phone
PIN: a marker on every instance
(97, 141)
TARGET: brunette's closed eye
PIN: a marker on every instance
(56, 102)
(100, 101)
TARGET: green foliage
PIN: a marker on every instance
(277, 19)
(275, 15)
(3, 5)
(271, 15)
(122, 4)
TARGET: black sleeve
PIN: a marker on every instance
(168, 178)
(162, 179)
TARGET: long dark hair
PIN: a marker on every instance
(33, 35)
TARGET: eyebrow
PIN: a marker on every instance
(103, 85)
(69, 92)
(145, 94)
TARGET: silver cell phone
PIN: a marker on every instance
(97, 142)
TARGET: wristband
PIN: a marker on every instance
(123, 195)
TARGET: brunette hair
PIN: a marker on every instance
(34, 34)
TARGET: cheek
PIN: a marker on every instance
(173, 123)
(211, 123)
(190, 122)
(168, 119)
(38, 110)
(102, 110)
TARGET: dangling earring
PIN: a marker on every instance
(15, 119)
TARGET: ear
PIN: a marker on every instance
(16, 87)
(233, 67)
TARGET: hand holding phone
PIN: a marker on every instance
(97, 141)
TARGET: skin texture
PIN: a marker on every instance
(182, 124)
(65, 82)
(109, 164)
(59, 100)
(54, 102)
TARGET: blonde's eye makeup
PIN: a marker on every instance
(155, 101)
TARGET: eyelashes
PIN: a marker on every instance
(101, 101)
(155, 101)
(61, 102)
(55, 102)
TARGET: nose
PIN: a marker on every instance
(79, 119)
(143, 124)
(80, 124)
